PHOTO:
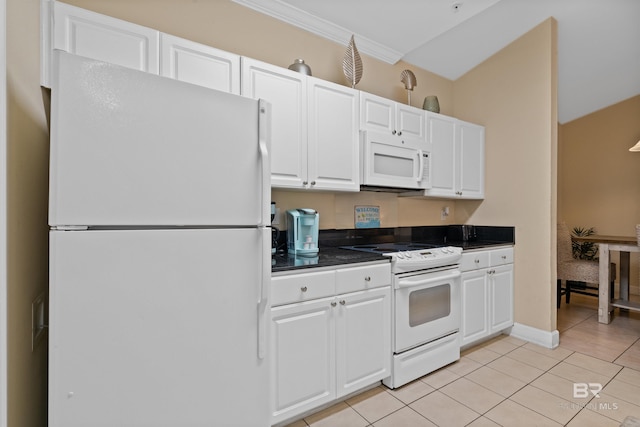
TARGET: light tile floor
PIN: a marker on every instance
(509, 382)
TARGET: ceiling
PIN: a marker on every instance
(598, 40)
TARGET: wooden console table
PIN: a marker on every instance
(625, 245)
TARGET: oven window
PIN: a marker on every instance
(427, 305)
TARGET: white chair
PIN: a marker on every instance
(577, 270)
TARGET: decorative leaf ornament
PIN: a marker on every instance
(352, 64)
(409, 80)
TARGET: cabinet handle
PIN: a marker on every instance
(305, 183)
(504, 257)
(303, 289)
(394, 132)
(400, 133)
(477, 261)
(367, 279)
(343, 302)
(333, 304)
(313, 183)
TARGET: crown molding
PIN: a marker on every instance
(320, 27)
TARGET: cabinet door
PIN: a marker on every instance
(410, 121)
(333, 149)
(501, 295)
(104, 38)
(303, 357)
(470, 169)
(441, 138)
(199, 64)
(363, 349)
(286, 91)
(377, 113)
(475, 306)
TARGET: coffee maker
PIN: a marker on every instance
(302, 232)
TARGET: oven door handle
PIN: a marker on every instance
(407, 283)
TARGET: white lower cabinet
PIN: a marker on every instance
(325, 348)
(303, 357)
(363, 339)
(487, 293)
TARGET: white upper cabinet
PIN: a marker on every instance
(457, 152)
(470, 170)
(199, 64)
(333, 148)
(314, 128)
(441, 139)
(383, 115)
(96, 36)
(286, 91)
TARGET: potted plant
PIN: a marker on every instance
(583, 250)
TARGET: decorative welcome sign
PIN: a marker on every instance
(367, 216)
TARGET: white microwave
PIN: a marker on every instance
(394, 162)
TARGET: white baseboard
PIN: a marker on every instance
(548, 339)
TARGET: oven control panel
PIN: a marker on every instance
(425, 258)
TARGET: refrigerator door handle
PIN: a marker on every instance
(263, 292)
(264, 136)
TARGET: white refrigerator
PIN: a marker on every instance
(160, 256)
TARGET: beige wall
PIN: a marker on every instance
(513, 94)
(27, 160)
(599, 179)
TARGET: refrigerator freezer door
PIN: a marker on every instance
(157, 328)
(134, 149)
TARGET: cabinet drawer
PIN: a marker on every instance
(302, 287)
(501, 256)
(360, 278)
(474, 260)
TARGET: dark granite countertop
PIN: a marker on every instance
(327, 257)
(330, 253)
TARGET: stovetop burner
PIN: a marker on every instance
(410, 256)
(391, 247)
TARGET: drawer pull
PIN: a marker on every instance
(477, 261)
(303, 289)
(504, 257)
(333, 304)
(343, 302)
(367, 279)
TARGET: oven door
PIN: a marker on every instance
(393, 161)
(427, 306)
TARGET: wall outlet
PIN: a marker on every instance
(444, 213)
(38, 320)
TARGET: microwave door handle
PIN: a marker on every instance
(421, 165)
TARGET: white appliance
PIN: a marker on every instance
(394, 161)
(159, 251)
(426, 305)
